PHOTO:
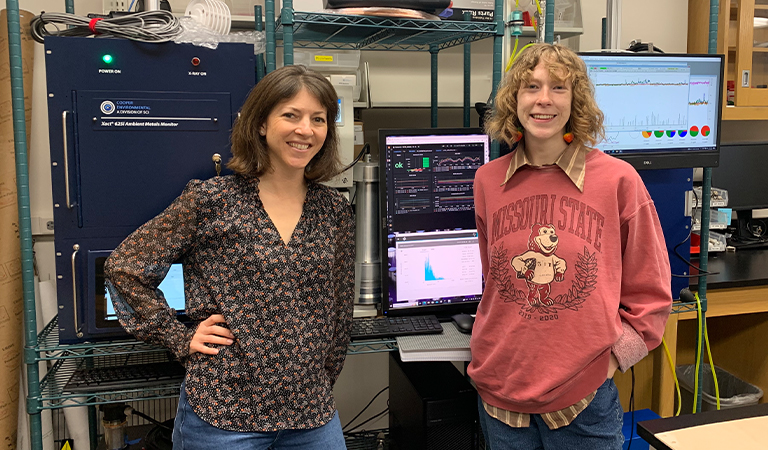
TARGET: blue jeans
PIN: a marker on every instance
(190, 432)
(598, 427)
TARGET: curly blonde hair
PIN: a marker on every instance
(586, 121)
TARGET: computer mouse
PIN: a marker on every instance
(463, 322)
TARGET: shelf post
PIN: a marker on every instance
(549, 22)
(271, 48)
(498, 43)
(433, 54)
(286, 17)
(259, 28)
(25, 224)
(706, 192)
(467, 72)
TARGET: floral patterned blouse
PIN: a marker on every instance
(288, 305)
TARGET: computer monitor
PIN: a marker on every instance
(172, 288)
(742, 173)
(432, 261)
(662, 111)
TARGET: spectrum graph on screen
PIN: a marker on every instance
(429, 274)
(657, 103)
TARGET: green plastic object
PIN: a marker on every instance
(516, 23)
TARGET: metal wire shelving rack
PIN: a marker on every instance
(316, 30)
(334, 31)
(67, 358)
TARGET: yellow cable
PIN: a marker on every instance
(512, 56)
(526, 46)
(712, 366)
(674, 375)
(538, 7)
(698, 355)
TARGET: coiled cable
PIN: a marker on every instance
(145, 26)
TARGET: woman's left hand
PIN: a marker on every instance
(613, 364)
(209, 333)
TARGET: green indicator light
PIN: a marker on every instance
(107, 59)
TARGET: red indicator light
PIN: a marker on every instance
(195, 61)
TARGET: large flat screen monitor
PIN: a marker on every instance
(432, 261)
(662, 111)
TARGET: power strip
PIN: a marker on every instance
(115, 5)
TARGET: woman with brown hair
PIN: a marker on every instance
(575, 265)
(268, 256)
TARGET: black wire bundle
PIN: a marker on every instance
(750, 232)
(145, 26)
(374, 417)
(363, 151)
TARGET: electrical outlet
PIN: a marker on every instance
(115, 5)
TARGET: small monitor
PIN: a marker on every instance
(432, 261)
(172, 288)
(662, 111)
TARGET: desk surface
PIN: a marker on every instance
(650, 428)
(744, 267)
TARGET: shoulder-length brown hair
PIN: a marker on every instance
(586, 121)
(250, 156)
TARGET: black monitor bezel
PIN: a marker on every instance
(734, 202)
(674, 159)
(443, 311)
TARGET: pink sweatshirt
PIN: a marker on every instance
(570, 276)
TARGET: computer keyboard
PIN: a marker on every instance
(383, 327)
(125, 377)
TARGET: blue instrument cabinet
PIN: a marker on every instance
(130, 124)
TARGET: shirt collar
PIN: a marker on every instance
(572, 161)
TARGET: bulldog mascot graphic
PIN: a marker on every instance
(539, 266)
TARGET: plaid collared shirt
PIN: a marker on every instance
(572, 161)
(554, 420)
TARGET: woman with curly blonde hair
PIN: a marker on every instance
(575, 264)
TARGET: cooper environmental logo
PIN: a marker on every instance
(107, 107)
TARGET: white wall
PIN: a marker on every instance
(81, 6)
(663, 22)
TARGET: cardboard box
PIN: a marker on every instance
(482, 10)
